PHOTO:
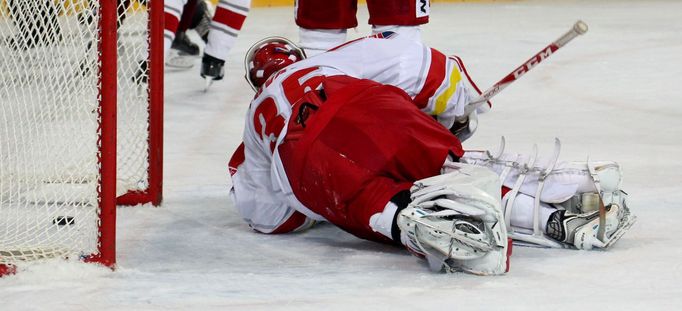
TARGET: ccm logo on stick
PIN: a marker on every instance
(532, 62)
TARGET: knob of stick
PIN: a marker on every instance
(580, 27)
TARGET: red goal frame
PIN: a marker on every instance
(108, 129)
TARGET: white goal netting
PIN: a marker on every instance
(50, 123)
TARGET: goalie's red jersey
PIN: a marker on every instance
(355, 144)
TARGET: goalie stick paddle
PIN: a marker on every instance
(578, 28)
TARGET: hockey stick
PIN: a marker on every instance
(578, 28)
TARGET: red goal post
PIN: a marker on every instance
(81, 125)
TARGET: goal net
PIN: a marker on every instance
(79, 123)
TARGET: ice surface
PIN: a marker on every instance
(613, 94)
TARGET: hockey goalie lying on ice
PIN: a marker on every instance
(364, 136)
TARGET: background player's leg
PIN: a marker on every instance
(182, 43)
(227, 23)
(401, 16)
(201, 20)
(173, 11)
(187, 16)
(323, 24)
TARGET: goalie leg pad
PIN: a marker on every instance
(455, 220)
(582, 189)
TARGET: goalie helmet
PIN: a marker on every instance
(268, 56)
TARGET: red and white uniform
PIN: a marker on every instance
(340, 14)
(227, 22)
(344, 156)
(323, 24)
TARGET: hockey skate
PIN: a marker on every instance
(212, 69)
(179, 62)
(585, 227)
(184, 45)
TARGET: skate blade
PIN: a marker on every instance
(209, 81)
(621, 231)
(180, 62)
(540, 241)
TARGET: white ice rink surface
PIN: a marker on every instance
(612, 94)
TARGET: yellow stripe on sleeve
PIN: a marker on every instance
(442, 100)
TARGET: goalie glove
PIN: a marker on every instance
(465, 128)
(455, 221)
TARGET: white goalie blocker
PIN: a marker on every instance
(455, 220)
(590, 191)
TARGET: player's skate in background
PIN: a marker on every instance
(223, 31)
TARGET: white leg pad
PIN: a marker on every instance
(455, 220)
(541, 186)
